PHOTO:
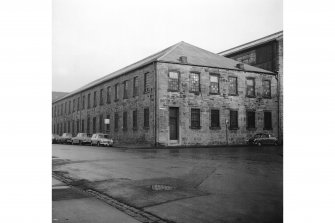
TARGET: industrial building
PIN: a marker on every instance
(180, 96)
(266, 53)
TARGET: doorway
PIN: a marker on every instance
(174, 123)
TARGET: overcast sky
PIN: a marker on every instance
(92, 38)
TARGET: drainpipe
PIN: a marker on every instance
(278, 98)
(155, 109)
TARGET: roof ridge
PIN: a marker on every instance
(170, 50)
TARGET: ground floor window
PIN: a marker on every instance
(78, 123)
(215, 118)
(267, 120)
(233, 119)
(116, 121)
(135, 119)
(125, 121)
(195, 118)
(83, 125)
(94, 125)
(250, 120)
(146, 118)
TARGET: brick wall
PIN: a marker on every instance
(143, 100)
(185, 100)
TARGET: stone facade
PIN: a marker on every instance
(185, 100)
(155, 103)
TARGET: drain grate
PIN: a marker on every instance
(161, 187)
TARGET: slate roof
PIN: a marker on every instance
(195, 56)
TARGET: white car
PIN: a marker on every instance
(101, 139)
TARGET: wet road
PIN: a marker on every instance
(230, 184)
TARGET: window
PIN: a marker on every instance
(58, 129)
(125, 89)
(116, 121)
(95, 101)
(108, 95)
(72, 127)
(69, 107)
(195, 118)
(68, 127)
(61, 110)
(78, 101)
(214, 85)
(267, 89)
(83, 103)
(251, 120)
(194, 82)
(135, 87)
(173, 81)
(267, 120)
(146, 83)
(232, 85)
(94, 125)
(78, 123)
(88, 125)
(135, 119)
(65, 108)
(215, 118)
(116, 93)
(83, 125)
(146, 118)
(89, 101)
(74, 105)
(101, 96)
(101, 122)
(250, 87)
(108, 125)
(125, 121)
(233, 119)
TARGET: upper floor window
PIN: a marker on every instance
(267, 89)
(116, 92)
(214, 84)
(108, 95)
(195, 118)
(70, 107)
(78, 103)
(125, 89)
(61, 110)
(89, 101)
(146, 82)
(83, 103)
(65, 108)
(116, 121)
(95, 99)
(173, 81)
(74, 105)
(251, 87)
(125, 121)
(232, 85)
(101, 96)
(233, 119)
(135, 119)
(194, 82)
(135, 87)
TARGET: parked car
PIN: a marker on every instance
(66, 138)
(101, 139)
(260, 139)
(55, 138)
(82, 138)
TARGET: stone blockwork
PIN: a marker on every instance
(185, 100)
(145, 99)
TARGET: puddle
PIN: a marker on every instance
(161, 187)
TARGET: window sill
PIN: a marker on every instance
(266, 97)
(211, 93)
(250, 96)
(233, 128)
(232, 94)
(169, 90)
(116, 100)
(251, 129)
(267, 129)
(215, 128)
(193, 127)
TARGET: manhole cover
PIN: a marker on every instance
(160, 187)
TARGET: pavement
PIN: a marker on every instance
(193, 185)
(73, 206)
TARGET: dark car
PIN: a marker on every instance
(55, 138)
(66, 138)
(82, 138)
(260, 139)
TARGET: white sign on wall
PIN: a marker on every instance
(106, 121)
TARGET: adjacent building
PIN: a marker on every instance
(265, 53)
(180, 96)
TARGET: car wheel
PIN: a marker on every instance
(91, 143)
(259, 144)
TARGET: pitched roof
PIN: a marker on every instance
(57, 95)
(172, 54)
(253, 43)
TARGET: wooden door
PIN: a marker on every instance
(174, 123)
